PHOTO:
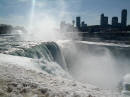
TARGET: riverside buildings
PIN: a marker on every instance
(104, 26)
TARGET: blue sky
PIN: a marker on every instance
(17, 12)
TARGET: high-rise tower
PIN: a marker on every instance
(104, 20)
(78, 22)
(124, 17)
(115, 21)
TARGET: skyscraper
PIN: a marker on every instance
(78, 22)
(83, 27)
(114, 21)
(124, 17)
(104, 20)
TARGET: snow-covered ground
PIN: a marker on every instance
(17, 81)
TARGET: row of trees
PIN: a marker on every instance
(5, 29)
(8, 29)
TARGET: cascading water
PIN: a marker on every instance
(46, 55)
(100, 64)
(53, 58)
(47, 51)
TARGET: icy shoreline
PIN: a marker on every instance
(16, 81)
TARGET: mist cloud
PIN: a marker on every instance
(96, 64)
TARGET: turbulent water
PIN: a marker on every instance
(101, 64)
(45, 56)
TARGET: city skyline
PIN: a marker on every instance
(104, 20)
(17, 11)
(80, 25)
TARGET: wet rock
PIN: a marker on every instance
(43, 91)
(90, 96)
(25, 84)
(74, 84)
(76, 95)
(33, 86)
(24, 90)
(9, 89)
(14, 84)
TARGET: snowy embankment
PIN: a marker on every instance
(17, 81)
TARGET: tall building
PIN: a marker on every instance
(83, 27)
(124, 17)
(115, 21)
(83, 23)
(78, 22)
(104, 20)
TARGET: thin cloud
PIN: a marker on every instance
(40, 4)
(23, 0)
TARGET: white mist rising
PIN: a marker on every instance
(126, 78)
(44, 22)
(41, 25)
(96, 64)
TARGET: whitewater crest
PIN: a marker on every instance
(45, 56)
